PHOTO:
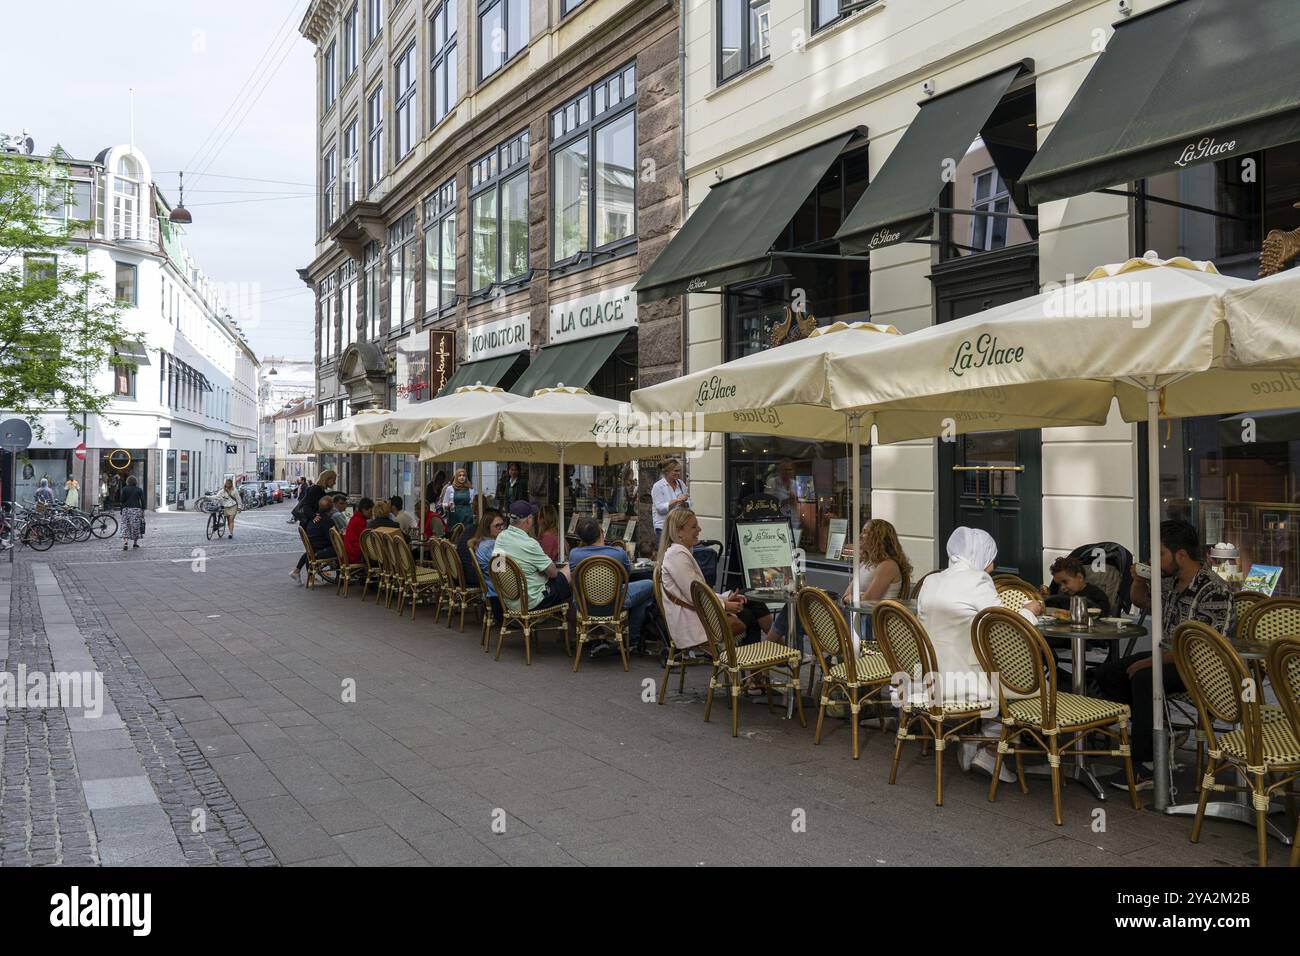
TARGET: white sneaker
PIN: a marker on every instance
(985, 761)
(966, 754)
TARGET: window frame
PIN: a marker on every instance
(497, 179)
(329, 75)
(568, 6)
(855, 6)
(134, 301)
(442, 59)
(985, 224)
(375, 137)
(589, 130)
(325, 294)
(329, 187)
(350, 162)
(745, 42)
(347, 296)
(350, 44)
(374, 21)
(45, 261)
(404, 104)
(439, 207)
(372, 280)
(482, 8)
(402, 236)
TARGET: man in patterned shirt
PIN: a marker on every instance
(1190, 591)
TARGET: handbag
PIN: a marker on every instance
(142, 526)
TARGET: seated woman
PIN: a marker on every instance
(946, 606)
(548, 535)
(678, 570)
(382, 518)
(481, 546)
(488, 527)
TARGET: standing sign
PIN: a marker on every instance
(442, 358)
(15, 436)
(766, 553)
(609, 310)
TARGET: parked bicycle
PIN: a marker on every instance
(26, 527)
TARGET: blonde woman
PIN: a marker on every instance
(230, 505)
(381, 519)
(668, 493)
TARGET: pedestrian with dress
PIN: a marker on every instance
(132, 499)
(458, 500)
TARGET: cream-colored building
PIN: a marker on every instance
(981, 86)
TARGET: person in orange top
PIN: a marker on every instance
(356, 525)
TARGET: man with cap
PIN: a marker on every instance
(547, 585)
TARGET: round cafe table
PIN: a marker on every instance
(1078, 636)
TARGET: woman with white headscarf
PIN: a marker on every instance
(946, 606)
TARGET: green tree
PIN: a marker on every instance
(59, 325)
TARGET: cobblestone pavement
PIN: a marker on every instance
(346, 735)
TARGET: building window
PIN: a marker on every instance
(351, 160)
(39, 267)
(440, 248)
(374, 20)
(502, 33)
(405, 117)
(442, 69)
(328, 343)
(743, 35)
(350, 42)
(568, 6)
(126, 199)
(403, 270)
(499, 214)
(124, 380)
(375, 134)
(348, 303)
(124, 284)
(595, 199)
(989, 194)
(329, 65)
(371, 279)
(329, 178)
(828, 12)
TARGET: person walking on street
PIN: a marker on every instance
(230, 505)
(132, 500)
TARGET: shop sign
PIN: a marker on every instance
(499, 337)
(766, 553)
(412, 371)
(442, 359)
(609, 310)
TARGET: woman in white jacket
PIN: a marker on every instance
(946, 606)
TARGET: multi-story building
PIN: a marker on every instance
(915, 161)
(293, 418)
(281, 382)
(494, 177)
(184, 410)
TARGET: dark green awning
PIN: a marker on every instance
(573, 363)
(729, 238)
(1192, 82)
(897, 205)
(130, 352)
(491, 371)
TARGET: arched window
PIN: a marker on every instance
(126, 199)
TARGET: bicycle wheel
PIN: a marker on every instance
(220, 519)
(103, 525)
(82, 524)
(212, 525)
(64, 532)
(38, 537)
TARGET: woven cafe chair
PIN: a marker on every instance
(916, 586)
(1036, 717)
(1014, 592)
(454, 533)
(675, 658)
(928, 712)
(315, 566)
(512, 589)
(458, 592)
(855, 676)
(735, 667)
(410, 580)
(438, 561)
(347, 569)
(1217, 678)
(1243, 602)
(376, 564)
(600, 591)
(1284, 671)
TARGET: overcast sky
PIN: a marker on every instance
(69, 65)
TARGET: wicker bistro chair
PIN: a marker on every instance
(1243, 602)
(512, 588)
(455, 591)
(1284, 668)
(674, 657)
(347, 570)
(1031, 706)
(1258, 748)
(734, 667)
(857, 677)
(927, 714)
(409, 580)
(916, 586)
(1013, 592)
(599, 591)
(372, 549)
(315, 565)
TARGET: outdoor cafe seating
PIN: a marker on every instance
(512, 589)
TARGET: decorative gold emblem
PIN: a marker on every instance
(797, 325)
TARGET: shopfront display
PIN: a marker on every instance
(115, 466)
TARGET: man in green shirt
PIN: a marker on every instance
(547, 585)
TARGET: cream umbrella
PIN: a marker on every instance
(1170, 338)
(559, 425)
(339, 437)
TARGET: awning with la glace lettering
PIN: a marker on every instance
(1192, 82)
(899, 204)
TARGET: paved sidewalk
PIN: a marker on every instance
(350, 736)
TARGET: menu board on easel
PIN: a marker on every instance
(766, 553)
(839, 530)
